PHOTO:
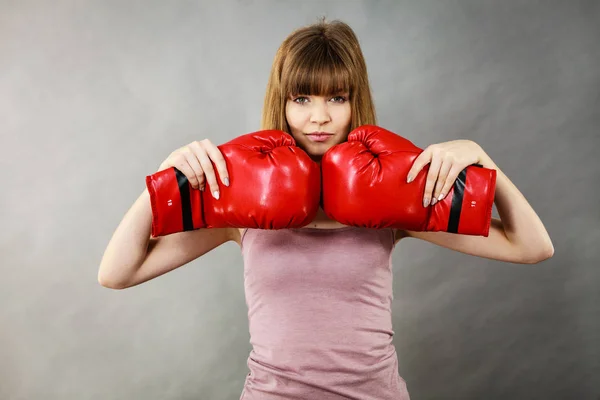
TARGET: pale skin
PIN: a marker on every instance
(133, 257)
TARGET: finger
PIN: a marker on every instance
(209, 171)
(441, 180)
(184, 167)
(217, 157)
(432, 176)
(452, 175)
(196, 167)
(420, 162)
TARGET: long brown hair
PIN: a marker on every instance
(321, 59)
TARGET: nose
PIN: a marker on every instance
(320, 112)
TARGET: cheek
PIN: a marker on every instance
(348, 112)
(292, 115)
(344, 115)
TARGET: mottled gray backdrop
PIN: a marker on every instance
(94, 95)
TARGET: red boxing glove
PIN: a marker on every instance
(273, 185)
(364, 184)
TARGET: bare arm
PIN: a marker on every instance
(519, 236)
(133, 257)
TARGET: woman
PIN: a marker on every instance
(319, 297)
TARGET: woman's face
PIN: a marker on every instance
(309, 115)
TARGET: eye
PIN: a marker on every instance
(300, 99)
(340, 99)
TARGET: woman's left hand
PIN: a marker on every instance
(447, 160)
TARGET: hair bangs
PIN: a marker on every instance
(316, 73)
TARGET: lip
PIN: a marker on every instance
(319, 136)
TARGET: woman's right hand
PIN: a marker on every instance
(195, 161)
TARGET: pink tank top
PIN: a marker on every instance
(319, 312)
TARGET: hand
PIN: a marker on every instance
(194, 161)
(447, 160)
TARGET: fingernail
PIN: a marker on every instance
(226, 181)
(409, 179)
(202, 188)
(433, 201)
(441, 197)
(425, 202)
(216, 194)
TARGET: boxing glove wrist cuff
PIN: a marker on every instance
(472, 199)
(171, 200)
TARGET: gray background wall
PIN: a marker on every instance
(94, 95)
